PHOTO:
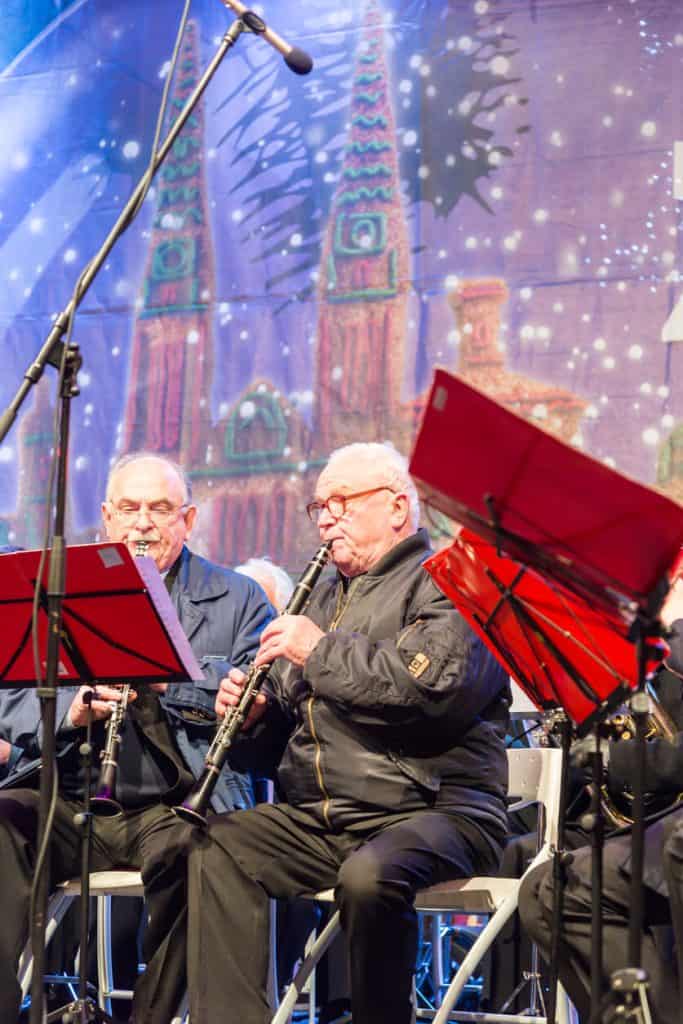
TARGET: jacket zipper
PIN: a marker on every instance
(407, 631)
(342, 605)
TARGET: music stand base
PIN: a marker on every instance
(627, 999)
(81, 1011)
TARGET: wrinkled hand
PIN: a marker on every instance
(229, 694)
(293, 637)
(100, 705)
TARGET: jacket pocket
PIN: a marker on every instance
(424, 774)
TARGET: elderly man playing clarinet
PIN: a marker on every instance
(164, 737)
(389, 716)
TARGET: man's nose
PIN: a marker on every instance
(143, 520)
(325, 518)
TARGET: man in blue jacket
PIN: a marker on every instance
(166, 733)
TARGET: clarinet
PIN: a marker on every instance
(195, 805)
(103, 802)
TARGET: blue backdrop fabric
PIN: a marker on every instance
(482, 185)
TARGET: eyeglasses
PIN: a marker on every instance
(160, 515)
(336, 503)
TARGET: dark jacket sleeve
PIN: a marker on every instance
(663, 766)
(663, 758)
(435, 671)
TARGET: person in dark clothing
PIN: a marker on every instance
(663, 874)
(390, 718)
(165, 736)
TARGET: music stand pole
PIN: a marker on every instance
(47, 693)
(562, 726)
(596, 826)
(83, 1009)
(640, 707)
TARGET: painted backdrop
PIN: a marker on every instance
(481, 185)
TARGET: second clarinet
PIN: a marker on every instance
(195, 805)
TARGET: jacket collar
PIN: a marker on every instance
(197, 581)
(417, 546)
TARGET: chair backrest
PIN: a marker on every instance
(535, 776)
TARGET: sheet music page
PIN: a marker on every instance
(156, 589)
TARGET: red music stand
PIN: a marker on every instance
(118, 621)
(561, 651)
(547, 505)
(117, 624)
(562, 570)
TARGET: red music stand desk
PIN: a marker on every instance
(118, 625)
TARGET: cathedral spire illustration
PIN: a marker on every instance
(364, 276)
(172, 350)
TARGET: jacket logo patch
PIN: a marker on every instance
(419, 664)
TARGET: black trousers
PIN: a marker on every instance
(279, 851)
(535, 907)
(152, 840)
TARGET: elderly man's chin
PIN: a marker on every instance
(343, 557)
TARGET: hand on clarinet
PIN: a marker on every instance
(100, 705)
(293, 637)
(229, 694)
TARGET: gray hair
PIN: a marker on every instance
(141, 456)
(388, 467)
(283, 585)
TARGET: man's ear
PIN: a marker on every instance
(106, 515)
(190, 519)
(400, 511)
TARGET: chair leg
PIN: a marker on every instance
(105, 969)
(183, 1013)
(57, 907)
(471, 961)
(273, 985)
(295, 988)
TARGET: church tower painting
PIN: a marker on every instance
(365, 269)
(36, 437)
(172, 351)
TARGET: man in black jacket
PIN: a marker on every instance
(663, 871)
(390, 717)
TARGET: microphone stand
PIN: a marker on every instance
(53, 353)
(47, 693)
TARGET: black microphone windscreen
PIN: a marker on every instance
(299, 61)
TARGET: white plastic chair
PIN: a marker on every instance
(103, 885)
(534, 777)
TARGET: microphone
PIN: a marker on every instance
(297, 60)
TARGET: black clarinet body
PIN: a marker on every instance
(195, 805)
